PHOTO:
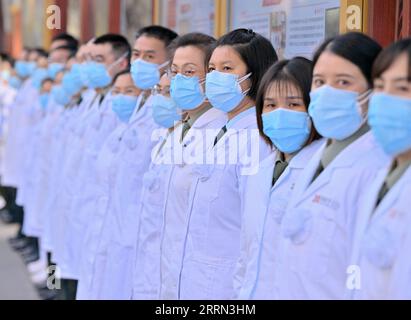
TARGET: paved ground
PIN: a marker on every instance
(14, 280)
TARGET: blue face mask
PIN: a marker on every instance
(54, 69)
(124, 106)
(84, 74)
(15, 82)
(31, 67)
(22, 69)
(98, 75)
(71, 82)
(60, 96)
(44, 100)
(145, 74)
(390, 120)
(336, 113)
(38, 76)
(187, 92)
(165, 112)
(223, 90)
(288, 130)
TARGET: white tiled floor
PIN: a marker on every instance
(14, 280)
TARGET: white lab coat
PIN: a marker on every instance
(72, 180)
(166, 193)
(178, 184)
(382, 241)
(147, 248)
(15, 142)
(6, 104)
(68, 170)
(317, 229)
(212, 240)
(117, 146)
(29, 152)
(92, 209)
(40, 188)
(99, 127)
(61, 137)
(37, 166)
(264, 207)
(113, 272)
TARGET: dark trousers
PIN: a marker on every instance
(68, 289)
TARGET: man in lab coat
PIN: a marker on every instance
(110, 55)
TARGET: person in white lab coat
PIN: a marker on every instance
(381, 263)
(147, 247)
(110, 55)
(109, 244)
(56, 61)
(157, 237)
(211, 245)
(282, 111)
(317, 228)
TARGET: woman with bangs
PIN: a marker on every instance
(282, 112)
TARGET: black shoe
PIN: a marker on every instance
(46, 294)
(19, 245)
(27, 250)
(6, 217)
(31, 258)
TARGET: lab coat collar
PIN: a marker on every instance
(299, 161)
(242, 120)
(207, 117)
(347, 158)
(393, 194)
(143, 108)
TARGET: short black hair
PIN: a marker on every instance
(196, 39)
(120, 44)
(297, 72)
(68, 38)
(72, 51)
(5, 57)
(118, 75)
(159, 32)
(256, 51)
(389, 55)
(46, 80)
(355, 47)
(41, 52)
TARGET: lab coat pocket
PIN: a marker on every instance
(202, 171)
(297, 226)
(381, 246)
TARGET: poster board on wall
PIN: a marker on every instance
(186, 16)
(295, 27)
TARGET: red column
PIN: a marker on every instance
(403, 19)
(63, 5)
(114, 16)
(87, 20)
(17, 35)
(382, 17)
